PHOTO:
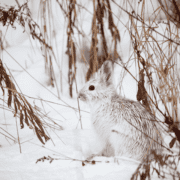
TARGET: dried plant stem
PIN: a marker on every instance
(7, 136)
(78, 105)
(8, 133)
(18, 136)
(33, 77)
(17, 3)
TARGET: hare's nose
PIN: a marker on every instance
(82, 96)
(79, 95)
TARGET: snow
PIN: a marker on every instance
(68, 146)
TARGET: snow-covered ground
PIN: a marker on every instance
(69, 144)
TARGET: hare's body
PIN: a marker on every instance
(125, 127)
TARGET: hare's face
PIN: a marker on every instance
(100, 87)
(89, 91)
(94, 90)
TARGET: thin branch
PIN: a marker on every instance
(18, 136)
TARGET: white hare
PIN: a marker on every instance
(124, 126)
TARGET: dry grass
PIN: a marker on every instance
(155, 53)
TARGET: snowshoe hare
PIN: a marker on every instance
(124, 126)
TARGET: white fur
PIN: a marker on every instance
(121, 124)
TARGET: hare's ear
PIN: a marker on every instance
(106, 73)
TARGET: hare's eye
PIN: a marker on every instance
(91, 88)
